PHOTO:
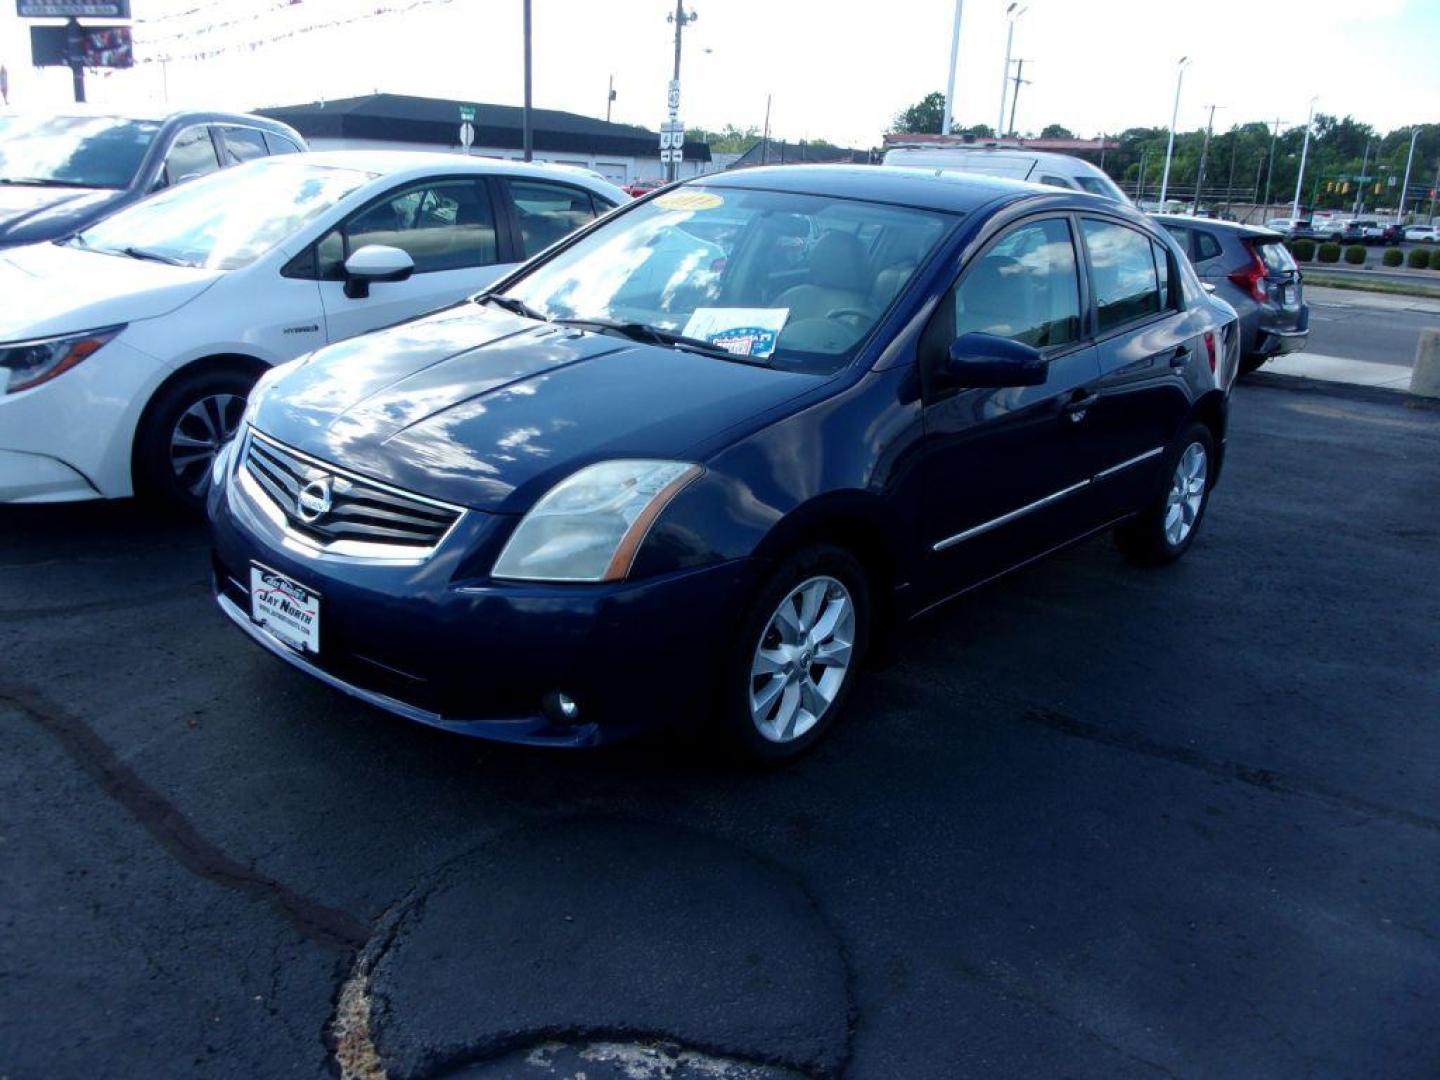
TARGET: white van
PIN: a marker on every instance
(1012, 162)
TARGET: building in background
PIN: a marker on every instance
(622, 153)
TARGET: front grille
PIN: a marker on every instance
(361, 514)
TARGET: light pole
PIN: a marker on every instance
(527, 137)
(954, 57)
(1204, 153)
(1304, 153)
(1170, 146)
(1405, 184)
(681, 19)
(1360, 184)
(1270, 162)
(1011, 14)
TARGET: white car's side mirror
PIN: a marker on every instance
(1207, 286)
(375, 263)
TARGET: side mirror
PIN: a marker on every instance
(1207, 286)
(375, 263)
(985, 360)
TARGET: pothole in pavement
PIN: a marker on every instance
(584, 948)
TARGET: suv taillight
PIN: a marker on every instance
(1252, 278)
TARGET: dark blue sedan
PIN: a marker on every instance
(692, 462)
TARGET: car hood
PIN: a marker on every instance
(52, 289)
(485, 409)
(31, 214)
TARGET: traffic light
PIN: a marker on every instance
(1345, 188)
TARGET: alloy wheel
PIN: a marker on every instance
(802, 659)
(207, 425)
(1186, 494)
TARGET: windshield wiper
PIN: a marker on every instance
(512, 304)
(152, 256)
(653, 335)
(36, 181)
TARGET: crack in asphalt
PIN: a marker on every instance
(1266, 779)
(328, 927)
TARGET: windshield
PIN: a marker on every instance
(73, 151)
(795, 280)
(1102, 186)
(226, 220)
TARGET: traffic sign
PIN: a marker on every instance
(467, 114)
(467, 135)
(674, 94)
(72, 9)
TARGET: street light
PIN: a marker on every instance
(1012, 14)
(1170, 146)
(1304, 153)
(1405, 184)
(954, 56)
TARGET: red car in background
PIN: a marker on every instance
(642, 187)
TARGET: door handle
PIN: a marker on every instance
(1079, 402)
(1180, 356)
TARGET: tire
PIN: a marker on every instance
(1152, 538)
(180, 433)
(756, 721)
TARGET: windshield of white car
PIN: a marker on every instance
(227, 220)
(73, 151)
(798, 281)
(1102, 186)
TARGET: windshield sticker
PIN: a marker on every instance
(742, 331)
(689, 200)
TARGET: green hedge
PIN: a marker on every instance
(1393, 257)
(1355, 254)
(1304, 250)
(1435, 259)
(1418, 259)
(1329, 252)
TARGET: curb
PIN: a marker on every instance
(1377, 395)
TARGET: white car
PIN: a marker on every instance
(1011, 162)
(1429, 234)
(126, 353)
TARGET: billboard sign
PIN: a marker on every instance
(72, 9)
(101, 46)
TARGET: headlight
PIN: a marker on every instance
(589, 526)
(24, 364)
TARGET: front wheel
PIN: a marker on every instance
(182, 431)
(1165, 529)
(800, 645)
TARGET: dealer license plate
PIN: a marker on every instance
(287, 609)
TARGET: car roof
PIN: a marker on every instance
(925, 188)
(427, 162)
(1218, 223)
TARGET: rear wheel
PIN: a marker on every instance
(800, 645)
(182, 431)
(1164, 530)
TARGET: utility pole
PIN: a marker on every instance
(610, 99)
(1011, 15)
(765, 138)
(681, 19)
(1170, 146)
(1360, 184)
(1304, 153)
(528, 134)
(1230, 184)
(1015, 97)
(1140, 186)
(1270, 163)
(1405, 185)
(1204, 152)
(954, 58)
(1433, 191)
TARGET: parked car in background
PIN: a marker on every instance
(1013, 163)
(642, 187)
(1425, 234)
(60, 174)
(494, 519)
(126, 352)
(1253, 271)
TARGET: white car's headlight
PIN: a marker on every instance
(24, 364)
(589, 526)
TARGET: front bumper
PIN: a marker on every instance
(439, 644)
(38, 478)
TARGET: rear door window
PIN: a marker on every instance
(1123, 278)
(279, 144)
(1206, 246)
(1184, 237)
(242, 144)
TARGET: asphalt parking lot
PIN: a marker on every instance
(1090, 821)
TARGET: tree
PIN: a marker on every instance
(728, 140)
(1056, 131)
(925, 117)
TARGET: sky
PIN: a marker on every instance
(838, 71)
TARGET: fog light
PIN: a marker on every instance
(561, 708)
